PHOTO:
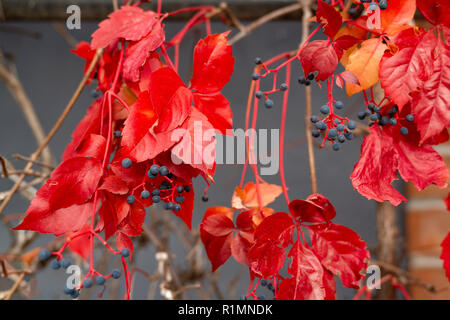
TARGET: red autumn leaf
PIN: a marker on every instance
(197, 145)
(171, 99)
(435, 11)
(430, 105)
(113, 211)
(124, 242)
(307, 281)
(140, 120)
(406, 71)
(266, 258)
(320, 56)
(115, 185)
(343, 43)
(152, 64)
(398, 13)
(341, 251)
(132, 224)
(138, 52)
(276, 228)
(328, 15)
(316, 209)
(213, 64)
(377, 168)
(93, 146)
(80, 244)
(129, 23)
(218, 248)
(248, 197)
(90, 124)
(216, 108)
(73, 182)
(445, 256)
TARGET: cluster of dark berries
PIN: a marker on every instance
(333, 127)
(306, 81)
(375, 115)
(260, 94)
(168, 193)
(264, 284)
(356, 10)
(56, 264)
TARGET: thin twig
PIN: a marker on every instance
(308, 103)
(15, 286)
(246, 30)
(52, 132)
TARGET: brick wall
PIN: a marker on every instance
(427, 223)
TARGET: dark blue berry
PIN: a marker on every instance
(307, 83)
(392, 121)
(95, 94)
(311, 76)
(55, 265)
(321, 125)
(68, 291)
(130, 199)
(100, 280)
(374, 117)
(339, 105)
(156, 192)
(187, 188)
(166, 206)
(87, 283)
(371, 106)
(315, 133)
(362, 115)
(351, 125)
(268, 103)
(125, 252)
(336, 147)
(145, 194)
(66, 263)
(283, 87)
(180, 189)
(117, 134)
(126, 163)
(205, 198)
(302, 80)
(150, 175)
(410, 118)
(154, 169)
(325, 109)
(270, 286)
(179, 199)
(259, 94)
(116, 274)
(404, 130)
(44, 254)
(176, 207)
(341, 138)
(348, 135)
(314, 119)
(340, 127)
(377, 109)
(384, 120)
(164, 171)
(255, 76)
(156, 199)
(170, 205)
(383, 4)
(264, 283)
(75, 294)
(373, 6)
(258, 60)
(332, 133)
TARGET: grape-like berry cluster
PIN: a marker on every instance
(166, 190)
(87, 283)
(332, 127)
(377, 116)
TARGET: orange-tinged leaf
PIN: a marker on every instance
(364, 63)
(399, 12)
(248, 197)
